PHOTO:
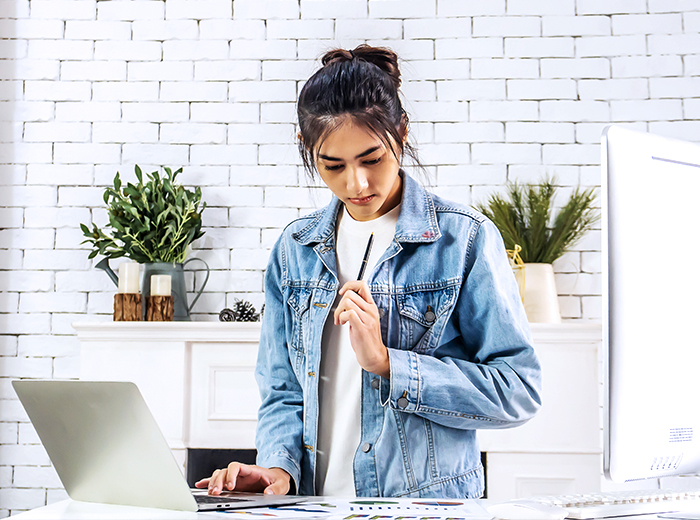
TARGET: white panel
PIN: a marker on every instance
(158, 370)
(569, 420)
(522, 475)
(224, 396)
(233, 394)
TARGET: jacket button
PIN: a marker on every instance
(366, 447)
(429, 316)
(402, 402)
(375, 383)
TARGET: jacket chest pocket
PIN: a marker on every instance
(298, 303)
(422, 317)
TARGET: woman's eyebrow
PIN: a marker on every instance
(363, 154)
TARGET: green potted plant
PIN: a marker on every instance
(152, 223)
(526, 218)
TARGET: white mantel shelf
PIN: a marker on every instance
(187, 331)
(197, 377)
(574, 331)
(217, 331)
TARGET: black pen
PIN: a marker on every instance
(366, 258)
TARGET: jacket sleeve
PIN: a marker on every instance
(279, 432)
(485, 374)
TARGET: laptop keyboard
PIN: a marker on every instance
(209, 499)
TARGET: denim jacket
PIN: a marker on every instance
(460, 350)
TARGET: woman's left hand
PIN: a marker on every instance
(357, 308)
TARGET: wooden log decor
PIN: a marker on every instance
(159, 308)
(127, 307)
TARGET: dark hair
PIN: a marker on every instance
(361, 84)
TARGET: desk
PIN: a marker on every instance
(340, 509)
(71, 510)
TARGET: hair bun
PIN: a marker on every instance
(386, 59)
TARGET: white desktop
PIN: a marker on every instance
(651, 286)
(651, 295)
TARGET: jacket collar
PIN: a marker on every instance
(417, 220)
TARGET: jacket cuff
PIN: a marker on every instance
(402, 391)
(283, 461)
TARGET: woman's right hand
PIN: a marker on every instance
(245, 477)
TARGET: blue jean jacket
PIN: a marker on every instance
(460, 351)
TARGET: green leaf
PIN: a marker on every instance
(132, 192)
(527, 217)
(153, 220)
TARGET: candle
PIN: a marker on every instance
(160, 285)
(128, 278)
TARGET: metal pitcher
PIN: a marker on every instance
(177, 274)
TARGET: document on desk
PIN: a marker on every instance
(373, 509)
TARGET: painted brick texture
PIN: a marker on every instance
(496, 91)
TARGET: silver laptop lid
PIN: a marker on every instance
(104, 443)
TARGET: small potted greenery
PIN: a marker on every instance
(152, 223)
(526, 218)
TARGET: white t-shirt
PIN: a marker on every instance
(340, 384)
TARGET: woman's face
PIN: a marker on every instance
(360, 170)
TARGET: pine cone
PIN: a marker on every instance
(227, 315)
(244, 311)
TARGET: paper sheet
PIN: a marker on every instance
(372, 509)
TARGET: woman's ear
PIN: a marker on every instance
(403, 129)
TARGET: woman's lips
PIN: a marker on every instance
(361, 201)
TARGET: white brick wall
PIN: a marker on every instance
(496, 91)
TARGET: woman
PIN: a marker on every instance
(375, 386)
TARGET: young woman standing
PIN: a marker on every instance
(376, 386)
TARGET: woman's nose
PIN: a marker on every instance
(357, 180)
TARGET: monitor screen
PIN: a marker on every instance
(651, 305)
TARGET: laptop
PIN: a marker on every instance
(107, 448)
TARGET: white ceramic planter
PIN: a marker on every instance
(540, 296)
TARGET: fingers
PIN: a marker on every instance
(348, 316)
(222, 479)
(279, 482)
(357, 297)
(208, 482)
(244, 477)
(347, 310)
(278, 487)
(353, 314)
(360, 287)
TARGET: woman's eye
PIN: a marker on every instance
(373, 161)
(333, 167)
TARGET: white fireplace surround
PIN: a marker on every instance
(197, 378)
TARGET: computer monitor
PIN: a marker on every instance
(651, 305)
